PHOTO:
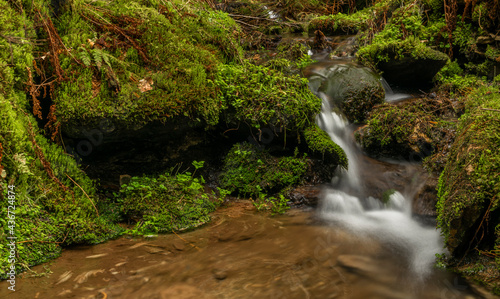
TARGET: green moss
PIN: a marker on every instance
(175, 47)
(258, 95)
(469, 186)
(54, 199)
(319, 142)
(384, 50)
(360, 20)
(165, 203)
(249, 171)
(393, 130)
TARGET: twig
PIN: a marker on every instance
(84, 193)
(186, 241)
(489, 109)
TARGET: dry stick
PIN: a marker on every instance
(489, 109)
(246, 24)
(84, 193)
(186, 241)
(485, 216)
(104, 294)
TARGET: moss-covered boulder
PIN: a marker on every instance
(409, 64)
(412, 131)
(355, 90)
(166, 203)
(259, 95)
(320, 143)
(251, 171)
(469, 187)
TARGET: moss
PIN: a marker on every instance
(414, 129)
(319, 142)
(258, 95)
(176, 47)
(166, 203)
(54, 199)
(384, 50)
(469, 186)
(249, 171)
(360, 20)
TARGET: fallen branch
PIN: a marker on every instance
(97, 212)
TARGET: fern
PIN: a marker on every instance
(98, 54)
(84, 56)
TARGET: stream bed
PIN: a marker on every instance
(241, 254)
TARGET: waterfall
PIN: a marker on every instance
(390, 95)
(390, 222)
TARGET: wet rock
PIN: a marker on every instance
(357, 263)
(308, 195)
(219, 274)
(424, 202)
(179, 245)
(413, 70)
(355, 90)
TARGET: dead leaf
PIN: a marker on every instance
(96, 256)
(145, 84)
(84, 276)
(64, 277)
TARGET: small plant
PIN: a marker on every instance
(249, 171)
(167, 202)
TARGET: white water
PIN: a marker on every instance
(391, 223)
(390, 95)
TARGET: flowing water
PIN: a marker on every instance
(351, 246)
(389, 222)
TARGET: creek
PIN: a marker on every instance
(351, 246)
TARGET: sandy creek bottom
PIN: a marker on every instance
(240, 254)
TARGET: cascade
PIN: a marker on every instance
(391, 223)
(390, 95)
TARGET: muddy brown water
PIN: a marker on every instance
(242, 253)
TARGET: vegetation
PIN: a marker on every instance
(55, 202)
(258, 95)
(138, 62)
(413, 130)
(250, 171)
(469, 186)
(320, 143)
(167, 203)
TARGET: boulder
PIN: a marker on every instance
(353, 89)
(415, 69)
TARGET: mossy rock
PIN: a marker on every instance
(251, 171)
(404, 62)
(392, 131)
(320, 143)
(413, 130)
(55, 202)
(135, 62)
(469, 186)
(261, 96)
(355, 90)
(166, 203)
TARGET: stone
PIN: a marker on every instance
(219, 274)
(309, 195)
(179, 245)
(353, 89)
(413, 70)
